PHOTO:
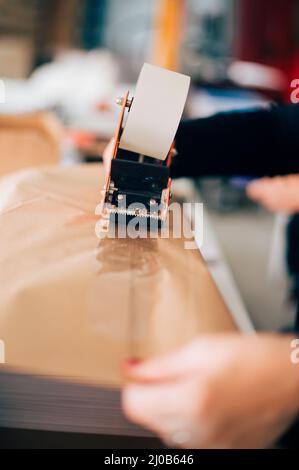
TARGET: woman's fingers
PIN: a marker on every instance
(198, 356)
(168, 408)
(108, 154)
(150, 405)
(164, 368)
(256, 189)
(280, 194)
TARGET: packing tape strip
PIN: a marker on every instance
(156, 112)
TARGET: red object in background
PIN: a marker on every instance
(266, 33)
(295, 68)
(81, 139)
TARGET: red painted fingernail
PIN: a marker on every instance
(132, 362)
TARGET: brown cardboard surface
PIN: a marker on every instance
(30, 140)
(73, 306)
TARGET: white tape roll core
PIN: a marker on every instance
(156, 112)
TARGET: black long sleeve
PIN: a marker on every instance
(251, 143)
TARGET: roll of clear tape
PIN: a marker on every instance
(156, 112)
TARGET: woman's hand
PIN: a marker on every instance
(108, 155)
(222, 391)
(280, 194)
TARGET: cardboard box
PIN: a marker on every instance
(16, 57)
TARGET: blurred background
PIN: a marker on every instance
(63, 63)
